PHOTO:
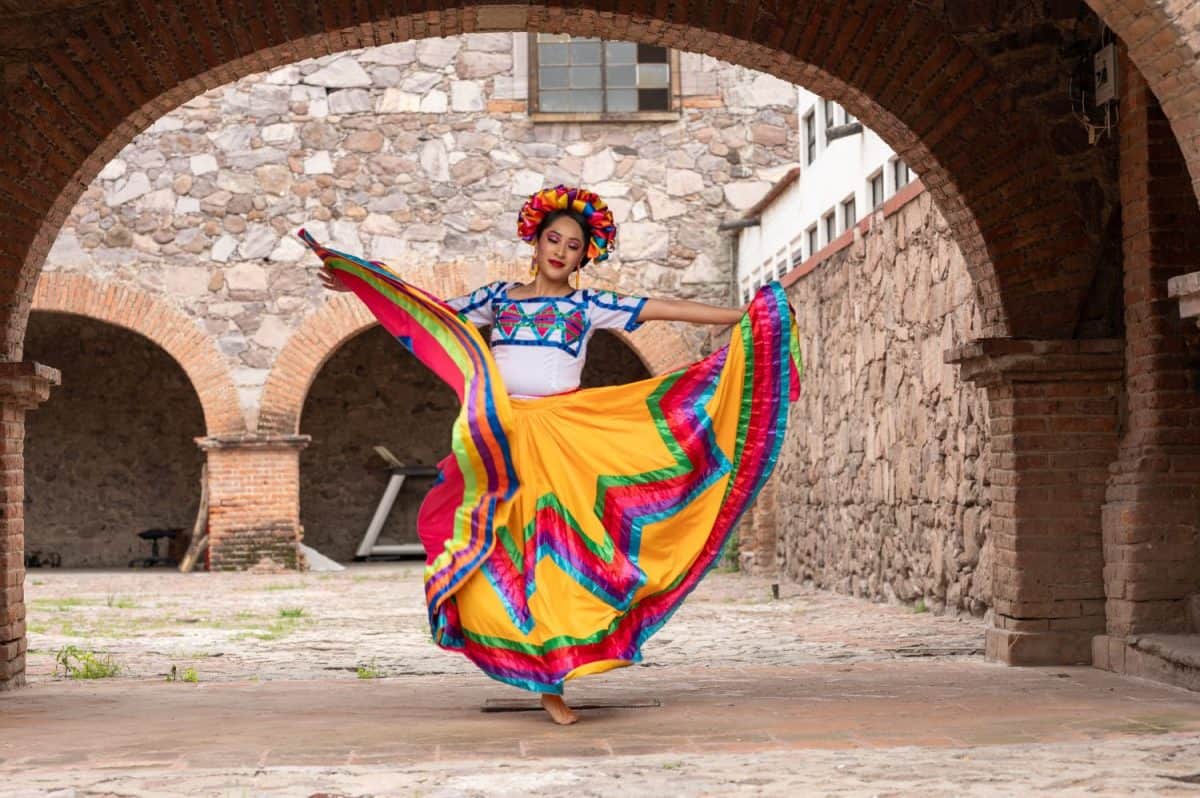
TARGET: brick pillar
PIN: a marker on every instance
(1152, 512)
(23, 386)
(254, 500)
(758, 533)
(1052, 411)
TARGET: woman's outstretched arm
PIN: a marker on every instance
(687, 310)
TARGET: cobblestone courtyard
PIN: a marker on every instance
(299, 684)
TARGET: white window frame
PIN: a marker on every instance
(852, 201)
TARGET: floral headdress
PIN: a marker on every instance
(585, 203)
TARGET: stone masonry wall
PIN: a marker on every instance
(414, 153)
(373, 392)
(881, 485)
(112, 452)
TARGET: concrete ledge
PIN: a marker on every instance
(988, 361)
(252, 441)
(1169, 659)
(1186, 288)
(1038, 648)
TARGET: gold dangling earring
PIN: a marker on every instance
(533, 266)
(578, 277)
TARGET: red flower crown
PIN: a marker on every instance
(583, 202)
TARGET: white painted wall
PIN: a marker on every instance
(839, 170)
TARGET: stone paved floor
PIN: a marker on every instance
(811, 693)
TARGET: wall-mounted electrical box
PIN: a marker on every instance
(1104, 74)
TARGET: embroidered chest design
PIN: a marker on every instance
(544, 324)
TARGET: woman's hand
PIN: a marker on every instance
(330, 279)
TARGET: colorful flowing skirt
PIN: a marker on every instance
(563, 531)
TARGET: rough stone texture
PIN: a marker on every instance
(373, 392)
(201, 208)
(112, 452)
(881, 485)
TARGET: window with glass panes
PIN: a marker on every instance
(902, 175)
(830, 220)
(810, 137)
(586, 75)
(849, 214)
(813, 244)
(877, 189)
(830, 117)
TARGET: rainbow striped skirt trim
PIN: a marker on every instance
(564, 531)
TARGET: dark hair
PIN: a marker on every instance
(575, 216)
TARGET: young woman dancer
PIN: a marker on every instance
(567, 525)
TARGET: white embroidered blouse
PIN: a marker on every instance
(540, 343)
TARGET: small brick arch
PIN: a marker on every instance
(166, 326)
(657, 344)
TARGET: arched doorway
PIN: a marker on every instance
(112, 453)
(373, 392)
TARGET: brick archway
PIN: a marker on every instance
(658, 345)
(934, 98)
(1161, 41)
(159, 322)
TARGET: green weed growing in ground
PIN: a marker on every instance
(295, 612)
(369, 671)
(80, 664)
(277, 630)
(59, 605)
(121, 603)
(189, 675)
(39, 582)
(292, 586)
(920, 606)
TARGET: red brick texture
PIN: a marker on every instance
(156, 320)
(23, 386)
(254, 501)
(657, 344)
(1152, 513)
(1163, 46)
(759, 533)
(1053, 420)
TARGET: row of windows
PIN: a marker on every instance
(833, 223)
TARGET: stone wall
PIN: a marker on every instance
(881, 486)
(415, 153)
(112, 452)
(373, 392)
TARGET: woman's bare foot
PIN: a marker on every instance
(558, 709)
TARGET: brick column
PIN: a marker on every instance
(758, 533)
(1052, 410)
(254, 501)
(23, 386)
(1152, 512)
